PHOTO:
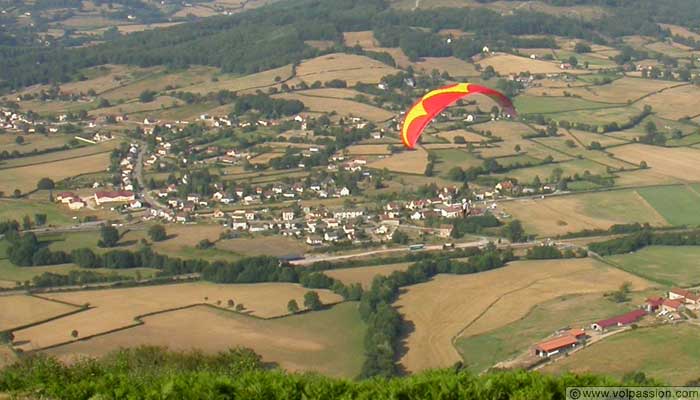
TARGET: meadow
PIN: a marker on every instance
(341, 106)
(271, 246)
(365, 275)
(453, 306)
(669, 265)
(679, 205)
(407, 162)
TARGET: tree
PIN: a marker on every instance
(230, 303)
(109, 235)
(74, 333)
(147, 96)
(517, 148)
(514, 231)
(581, 47)
(399, 237)
(239, 307)
(312, 301)
(459, 140)
(292, 306)
(157, 233)
(45, 184)
(643, 164)
(40, 219)
(26, 223)
(19, 139)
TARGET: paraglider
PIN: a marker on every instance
(430, 105)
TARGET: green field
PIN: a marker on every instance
(670, 265)
(668, 353)
(17, 208)
(569, 168)
(483, 351)
(679, 205)
(546, 105)
(450, 158)
(602, 115)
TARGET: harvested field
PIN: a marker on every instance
(506, 64)
(269, 246)
(407, 162)
(32, 142)
(25, 178)
(675, 103)
(365, 39)
(468, 136)
(368, 149)
(100, 148)
(158, 80)
(335, 93)
(265, 158)
(341, 106)
(365, 275)
(562, 214)
(328, 341)
(19, 310)
(637, 350)
(623, 89)
(246, 83)
(136, 107)
(452, 306)
(679, 163)
(348, 67)
(681, 31)
(587, 138)
(117, 308)
(505, 130)
(526, 104)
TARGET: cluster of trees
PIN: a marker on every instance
(241, 373)
(78, 277)
(463, 226)
(644, 238)
(25, 250)
(267, 106)
(548, 252)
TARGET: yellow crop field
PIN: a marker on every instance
(407, 162)
(679, 163)
(25, 178)
(19, 310)
(348, 67)
(621, 90)
(365, 39)
(675, 103)
(562, 214)
(450, 306)
(506, 64)
(341, 106)
(117, 308)
(365, 275)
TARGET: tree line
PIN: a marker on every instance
(643, 238)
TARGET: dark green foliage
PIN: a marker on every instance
(45, 184)
(644, 238)
(109, 235)
(153, 373)
(475, 224)
(543, 253)
(312, 301)
(514, 231)
(157, 233)
(49, 279)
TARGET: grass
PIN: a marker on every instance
(16, 209)
(668, 353)
(272, 245)
(547, 105)
(365, 275)
(450, 158)
(670, 265)
(680, 205)
(484, 351)
(328, 341)
(679, 164)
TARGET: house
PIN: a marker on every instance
(345, 192)
(683, 295)
(113, 197)
(652, 304)
(217, 196)
(672, 306)
(331, 236)
(287, 215)
(239, 224)
(76, 203)
(314, 240)
(219, 214)
(65, 197)
(135, 204)
(348, 214)
(554, 346)
(620, 320)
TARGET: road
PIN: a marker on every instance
(138, 173)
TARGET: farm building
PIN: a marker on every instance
(620, 320)
(671, 306)
(684, 296)
(652, 304)
(111, 197)
(555, 346)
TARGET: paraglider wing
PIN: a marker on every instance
(432, 104)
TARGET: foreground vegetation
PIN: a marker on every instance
(150, 373)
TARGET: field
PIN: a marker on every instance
(468, 136)
(246, 83)
(668, 353)
(506, 64)
(675, 103)
(679, 205)
(454, 66)
(19, 310)
(365, 275)
(559, 215)
(671, 265)
(328, 341)
(117, 308)
(348, 67)
(622, 90)
(271, 246)
(677, 163)
(450, 158)
(341, 106)
(31, 142)
(17, 208)
(681, 31)
(450, 306)
(483, 351)
(569, 168)
(526, 104)
(136, 107)
(365, 39)
(368, 149)
(407, 162)
(25, 178)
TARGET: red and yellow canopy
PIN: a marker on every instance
(432, 104)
